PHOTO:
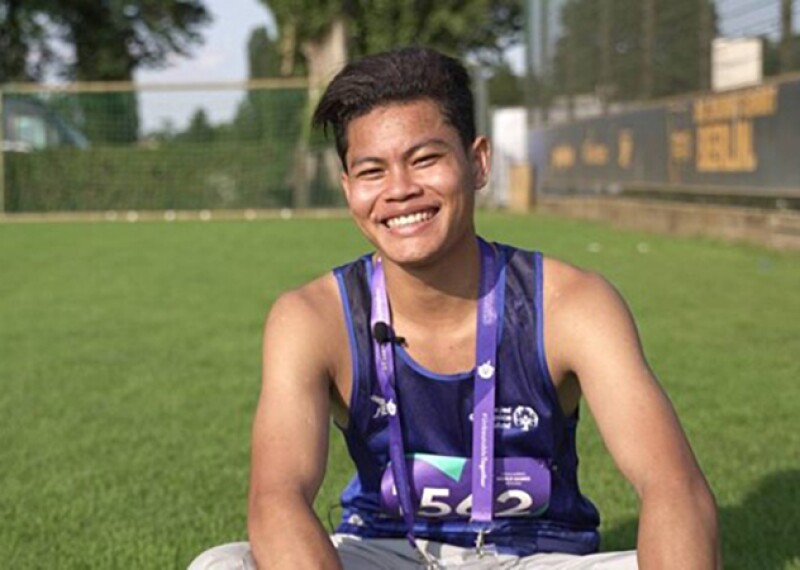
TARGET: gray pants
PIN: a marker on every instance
(356, 553)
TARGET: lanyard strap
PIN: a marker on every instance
(484, 393)
(384, 364)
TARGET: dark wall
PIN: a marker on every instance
(744, 142)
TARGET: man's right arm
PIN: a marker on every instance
(290, 438)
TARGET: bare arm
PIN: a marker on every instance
(290, 440)
(678, 519)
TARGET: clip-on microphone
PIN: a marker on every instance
(383, 333)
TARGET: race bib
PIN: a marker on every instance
(442, 487)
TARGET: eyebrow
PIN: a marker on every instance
(433, 141)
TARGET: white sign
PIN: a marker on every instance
(736, 62)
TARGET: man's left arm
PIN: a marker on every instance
(678, 516)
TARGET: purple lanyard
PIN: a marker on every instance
(484, 394)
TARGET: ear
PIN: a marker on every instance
(344, 180)
(481, 161)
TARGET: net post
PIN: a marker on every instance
(2, 155)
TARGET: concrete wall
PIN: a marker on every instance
(771, 228)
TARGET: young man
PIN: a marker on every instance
(454, 368)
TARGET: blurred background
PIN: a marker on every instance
(194, 105)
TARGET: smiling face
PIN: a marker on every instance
(410, 183)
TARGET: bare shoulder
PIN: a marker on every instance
(570, 289)
(308, 317)
(583, 313)
(308, 302)
(307, 306)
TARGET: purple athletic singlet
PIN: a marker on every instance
(537, 505)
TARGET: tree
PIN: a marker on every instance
(109, 40)
(24, 50)
(200, 129)
(673, 48)
(482, 28)
(263, 57)
(505, 88)
(262, 110)
(112, 38)
(775, 55)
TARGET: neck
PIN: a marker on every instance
(444, 291)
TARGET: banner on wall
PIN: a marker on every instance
(744, 142)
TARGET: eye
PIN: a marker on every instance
(426, 160)
(369, 174)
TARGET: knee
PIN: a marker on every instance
(233, 556)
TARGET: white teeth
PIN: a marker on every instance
(401, 221)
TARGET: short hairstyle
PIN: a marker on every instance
(398, 76)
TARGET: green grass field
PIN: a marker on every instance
(129, 366)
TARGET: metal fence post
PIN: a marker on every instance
(2, 156)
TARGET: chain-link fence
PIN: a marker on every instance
(590, 57)
(101, 147)
(686, 100)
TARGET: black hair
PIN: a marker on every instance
(401, 75)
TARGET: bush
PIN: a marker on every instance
(169, 175)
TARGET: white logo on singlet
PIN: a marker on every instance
(355, 520)
(384, 408)
(525, 418)
(486, 370)
(522, 418)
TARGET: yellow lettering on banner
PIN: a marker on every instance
(715, 109)
(762, 102)
(594, 154)
(562, 157)
(726, 147)
(758, 102)
(680, 145)
(625, 148)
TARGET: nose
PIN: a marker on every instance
(402, 185)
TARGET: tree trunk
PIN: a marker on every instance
(786, 36)
(15, 52)
(704, 53)
(648, 48)
(606, 48)
(288, 43)
(102, 55)
(324, 57)
(544, 53)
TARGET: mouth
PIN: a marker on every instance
(406, 220)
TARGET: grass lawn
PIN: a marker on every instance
(129, 366)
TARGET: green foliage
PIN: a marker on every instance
(251, 162)
(772, 56)
(109, 118)
(200, 130)
(274, 115)
(112, 38)
(577, 63)
(173, 175)
(130, 356)
(262, 55)
(109, 39)
(481, 27)
(22, 35)
(505, 88)
(454, 26)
